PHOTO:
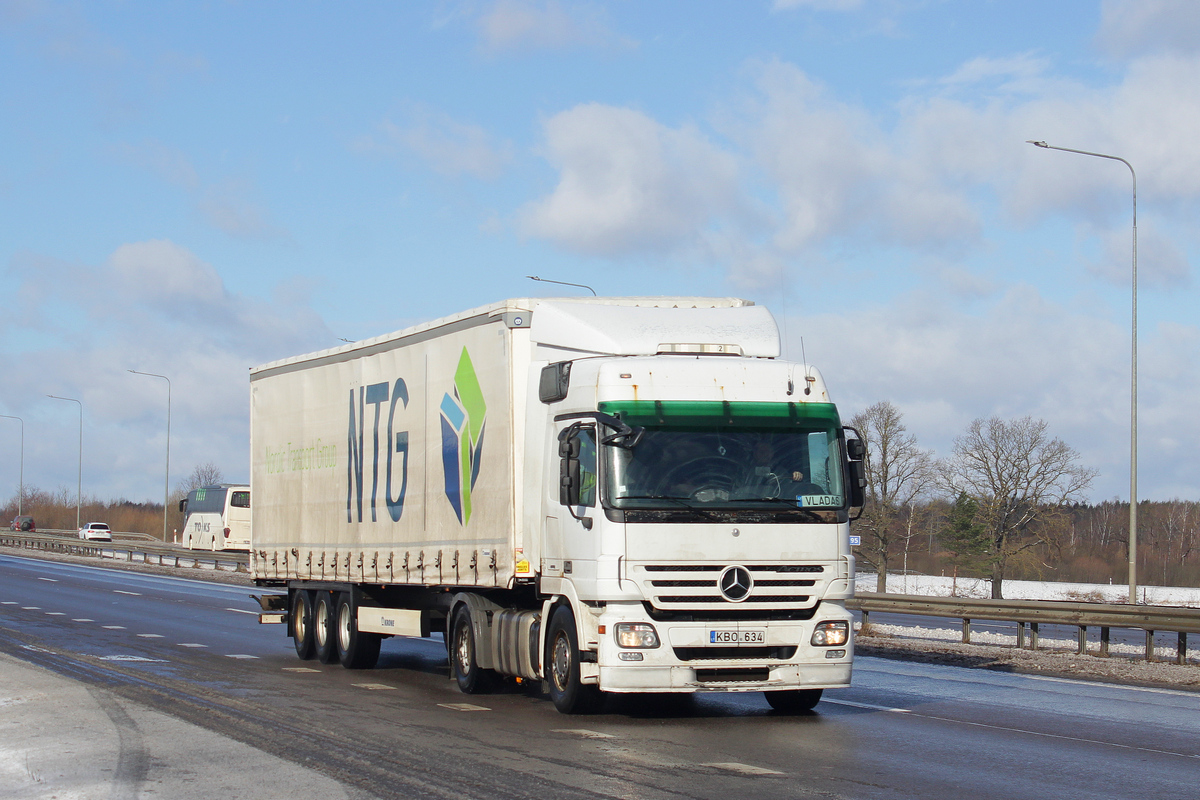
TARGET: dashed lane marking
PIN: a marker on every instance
(586, 734)
(373, 686)
(300, 669)
(83, 619)
(742, 769)
(149, 636)
(191, 644)
(31, 608)
(113, 627)
(133, 658)
(51, 580)
(121, 591)
(56, 614)
(852, 704)
(242, 611)
(241, 656)
(463, 707)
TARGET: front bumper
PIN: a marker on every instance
(686, 661)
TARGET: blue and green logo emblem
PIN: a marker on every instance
(463, 416)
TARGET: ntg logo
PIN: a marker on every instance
(463, 416)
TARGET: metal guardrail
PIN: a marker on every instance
(165, 555)
(1105, 616)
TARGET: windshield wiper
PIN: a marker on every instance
(689, 506)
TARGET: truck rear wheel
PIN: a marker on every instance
(354, 649)
(324, 635)
(471, 678)
(794, 701)
(302, 626)
(568, 693)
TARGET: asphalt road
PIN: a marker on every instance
(163, 648)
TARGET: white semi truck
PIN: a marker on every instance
(601, 494)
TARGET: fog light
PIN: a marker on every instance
(629, 656)
(831, 634)
(635, 634)
(835, 653)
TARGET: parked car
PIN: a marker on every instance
(97, 531)
(24, 523)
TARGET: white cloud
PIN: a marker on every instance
(1129, 27)
(521, 25)
(1022, 355)
(628, 183)
(155, 307)
(448, 146)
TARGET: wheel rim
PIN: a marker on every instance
(321, 620)
(344, 626)
(560, 662)
(462, 647)
(299, 623)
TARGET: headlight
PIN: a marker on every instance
(636, 634)
(831, 634)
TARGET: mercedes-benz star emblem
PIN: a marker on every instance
(735, 584)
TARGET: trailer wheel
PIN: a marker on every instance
(324, 634)
(794, 701)
(302, 625)
(569, 694)
(472, 679)
(355, 650)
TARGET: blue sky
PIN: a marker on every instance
(192, 189)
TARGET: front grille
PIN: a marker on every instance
(733, 675)
(734, 653)
(785, 587)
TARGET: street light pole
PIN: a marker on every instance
(167, 480)
(21, 490)
(1133, 442)
(79, 487)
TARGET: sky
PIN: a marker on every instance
(191, 189)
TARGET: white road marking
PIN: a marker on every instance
(373, 686)
(191, 644)
(83, 619)
(56, 614)
(149, 636)
(31, 608)
(742, 769)
(866, 705)
(586, 734)
(134, 594)
(300, 669)
(463, 707)
(242, 611)
(133, 658)
(242, 656)
(114, 627)
(51, 580)
(35, 649)
(9, 603)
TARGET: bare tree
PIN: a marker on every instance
(897, 472)
(1020, 479)
(208, 474)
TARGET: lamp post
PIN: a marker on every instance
(167, 479)
(79, 486)
(562, 283)
(1133, 442)
(21, 490)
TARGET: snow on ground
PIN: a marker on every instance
(942, 586)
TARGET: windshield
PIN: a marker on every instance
(709, 456)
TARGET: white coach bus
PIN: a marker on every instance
(217, 518)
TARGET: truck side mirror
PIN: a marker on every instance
(554, 382)
(568, 469)
(856, 453)
(183, 506)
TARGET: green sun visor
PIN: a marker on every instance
(710, 413)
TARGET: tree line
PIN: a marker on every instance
(56, 510)
(1007, 503)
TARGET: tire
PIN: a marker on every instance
(471, 678)
(568, 693)
(324, 635)
(794, 701)
(355, 650)
(301, 623)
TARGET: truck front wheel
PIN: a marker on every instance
(472, 679)
(355, 650)
(568, 693)
(302, 627)
(794, 701)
